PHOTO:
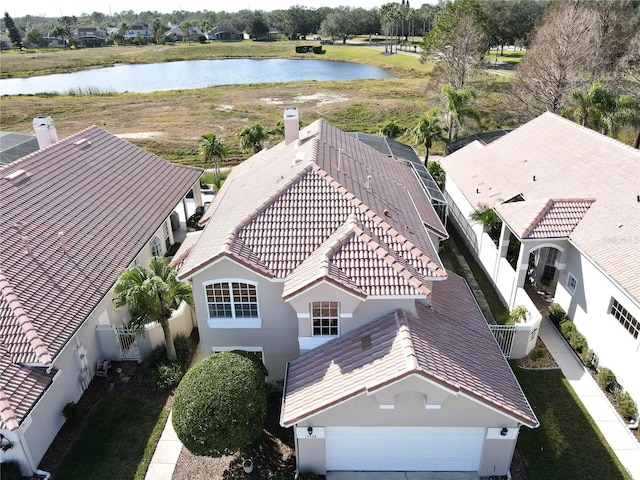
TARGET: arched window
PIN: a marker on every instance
(232, 299)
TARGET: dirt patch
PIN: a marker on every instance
(538, 358)
(319, 99)
(139, 135)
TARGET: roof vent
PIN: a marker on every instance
(366, 342)
(291, 125)
(387, 213)
(368, 184)
(83, 142)
(45, 131)
(298, 158)
(339, 159)
(17, 177)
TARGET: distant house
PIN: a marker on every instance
(568, 205)
(225, 33)
(5, 42)
(175, 33)
(141, 29)
(320, 256)
(74, 214)
(89, 36)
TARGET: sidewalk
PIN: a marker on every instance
(619, 437)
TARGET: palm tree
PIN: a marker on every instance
(252, 137)
(212, 150)
(457, 108)
(489, 219)
(428, 130)
(628, 113)
(151, 294)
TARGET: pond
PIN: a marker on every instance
(189, 74)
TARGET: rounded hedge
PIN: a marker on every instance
(221, 404)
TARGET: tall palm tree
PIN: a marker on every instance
(428, 130)
(252, 137)
(212, 150)
(456, 107)
(151, 294)
(628, 113)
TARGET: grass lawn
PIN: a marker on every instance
(117, 441)
(567, 444)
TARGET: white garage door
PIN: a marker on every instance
(404, 448)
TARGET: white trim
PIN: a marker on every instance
(547, 245)
(234, 322)
(306, 289)
(303, 315)
(309, 343)
(398, 297)
(560, 266)
(432, 406)
(229, 259)
(345, 315)
(386, 406)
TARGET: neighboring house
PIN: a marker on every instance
(569, 203)
(89, 36)
(75, 214)
(142, 29)
(175, 33)
(5, 42)
(225, 32)
(324, 247)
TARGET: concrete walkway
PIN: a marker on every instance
(619, 437)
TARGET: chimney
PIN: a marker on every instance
(45, 131)
(291, 126)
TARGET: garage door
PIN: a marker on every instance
(404, 448)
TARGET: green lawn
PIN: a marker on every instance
(117, 441)
(567, 445)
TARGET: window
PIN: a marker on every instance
(324, 316)
(572, 283)
(165, 233)
(156, 250)
(232, 300)
(624, 317)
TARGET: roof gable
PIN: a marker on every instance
(398, 345)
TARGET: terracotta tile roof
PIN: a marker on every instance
(558, 218)
(280, 217)
(73, 216)
(554, 158)
(428, 344)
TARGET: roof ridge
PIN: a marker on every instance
(7, 413)
(24, 322)
(406, 341)
(350, 226)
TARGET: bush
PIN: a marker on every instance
(309, 476)
(220, 405)
(164, 374)
(577, 341)
(606, 379)
(626, 406)
(518, 315)
(567, 329)
(69, 410)
(556, 314)
(10, 471)
(587, 357)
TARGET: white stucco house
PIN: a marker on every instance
(320, 255)
(569, 203)
(75, 213)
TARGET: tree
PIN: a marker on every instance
(390, 128)
(390, 13)
(252, 137)
(58, 32)
(339, 24)
(186, 28)
(457, 42)
(68, 23)
(258, 26)
(212, 150)
(628, 77)
(561, 59)
(34, 36)
(151, 294)
(158, 30)
(221, 404)
(437, 173)
(456, 108)
(14, 34)
(428, 130)
(489, 219)
(512, 22)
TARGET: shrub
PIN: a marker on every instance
(390, 128)
(282, 475)
(556, 314)
(220, 405)
(309, 476)
(626, 406)
(517, 315)
(587, 357)
(10, 471)
(567, 329)
(606, 378)
(165, 375)
(69, 410)
(577, 341)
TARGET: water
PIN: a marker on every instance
(190, 74)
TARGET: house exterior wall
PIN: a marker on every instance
(277, 333)
(407, 396)
(589, 308)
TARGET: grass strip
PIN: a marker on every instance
(567, 444)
